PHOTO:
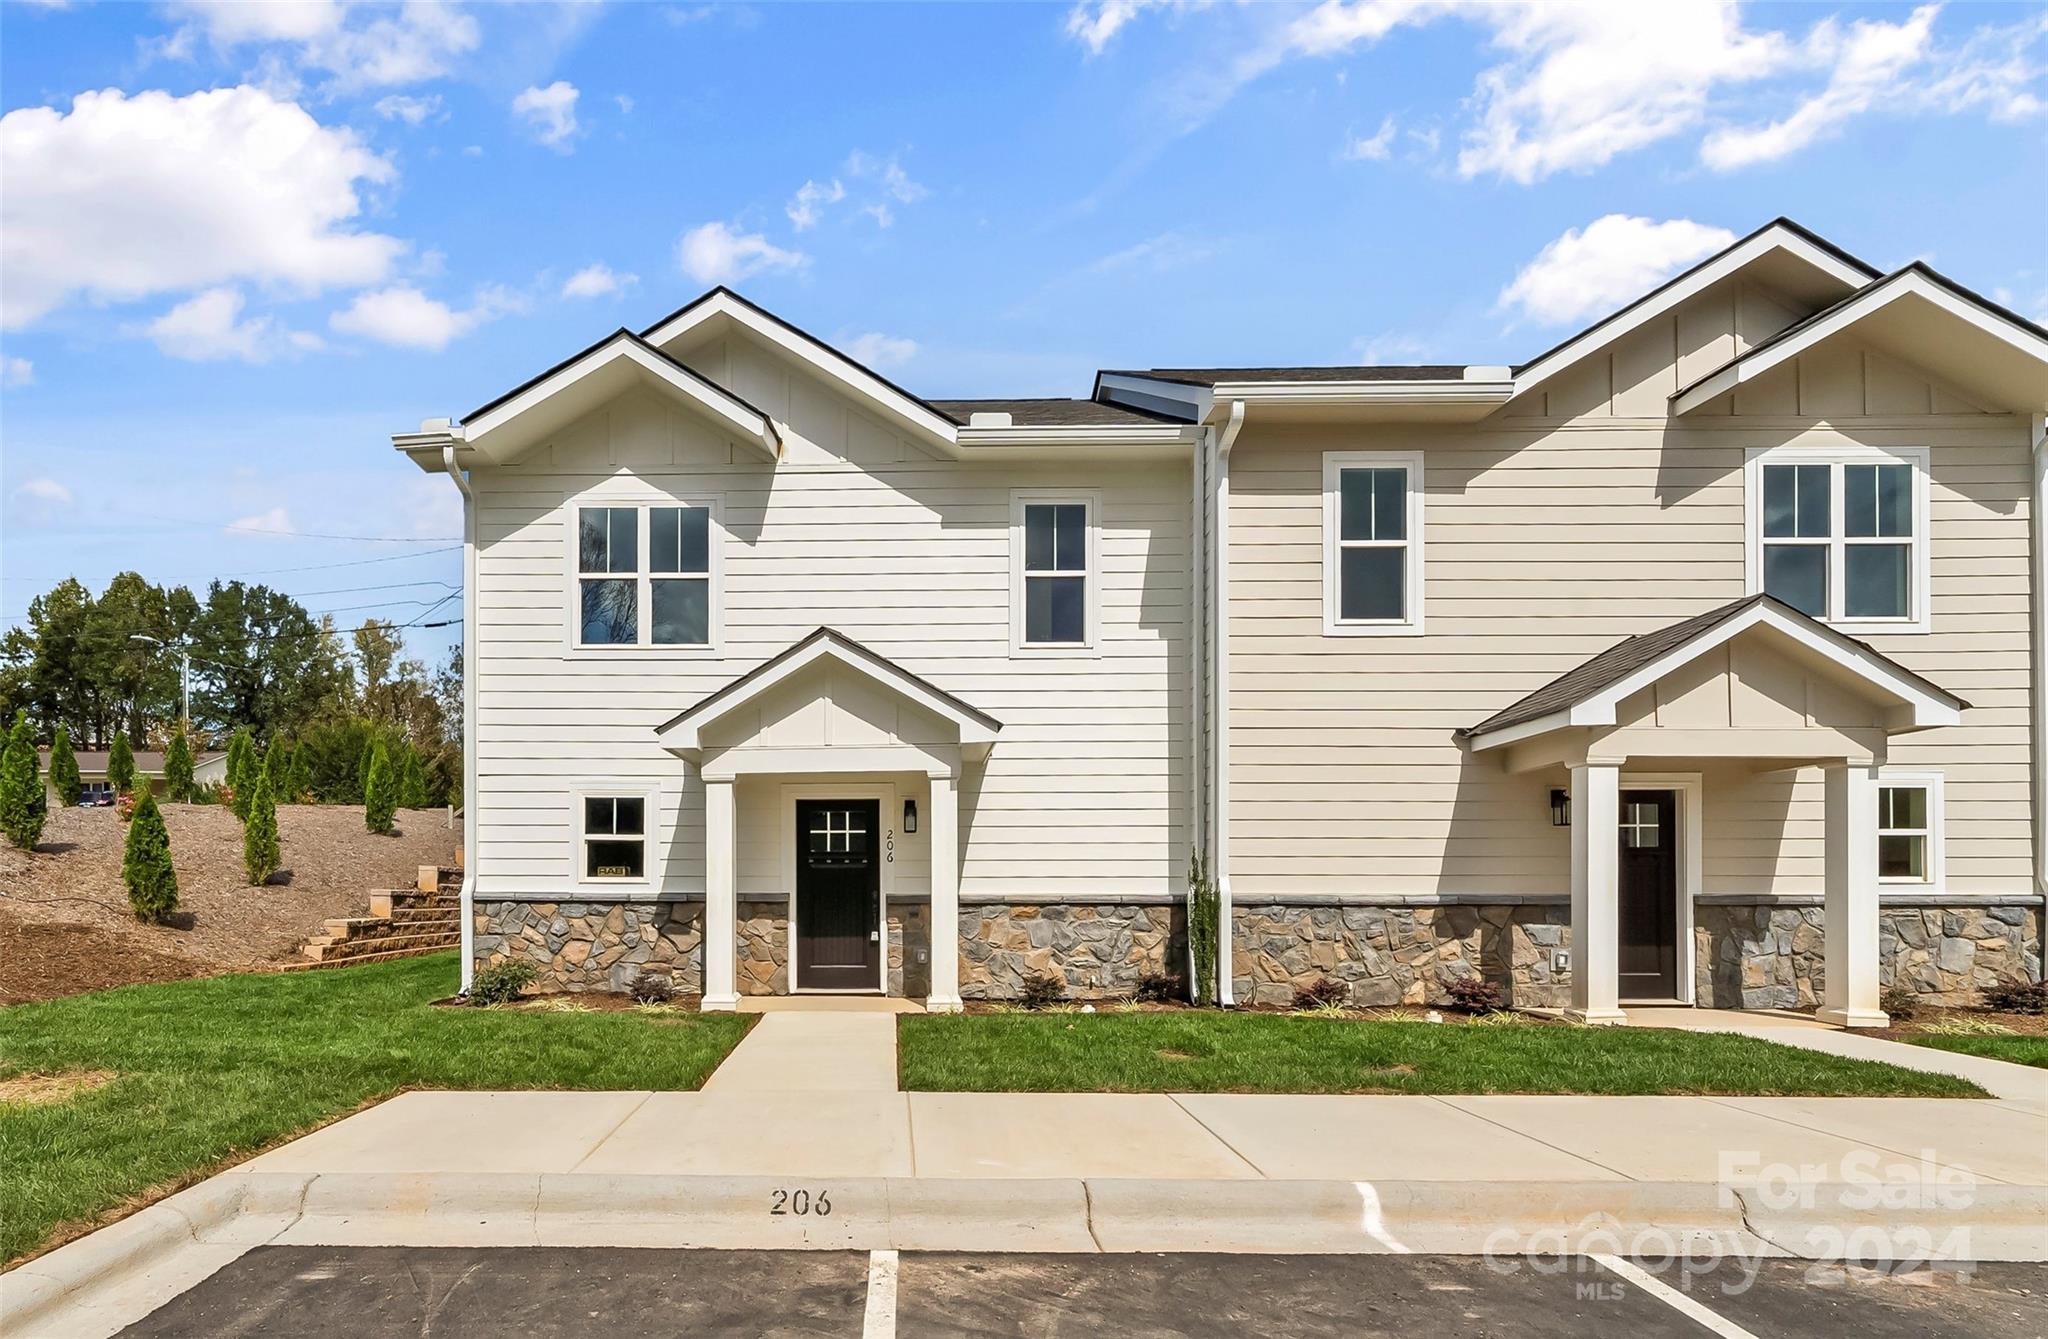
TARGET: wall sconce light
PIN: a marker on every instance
(1560, 808)
(910, 815)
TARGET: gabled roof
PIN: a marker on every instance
(1588, 693)
(578, 382)
(1916, 314)
(682, 731)
(910, 410)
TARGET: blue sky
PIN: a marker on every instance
(242, 245)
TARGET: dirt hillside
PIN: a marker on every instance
(65, 926)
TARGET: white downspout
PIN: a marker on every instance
(1198, 668)
(469, 672)
(1219, 715)
(2038, 592)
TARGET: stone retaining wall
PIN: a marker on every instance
(581, 946)
(1398, 955)
(1102, 951)
(1765, 957)
(910, 950)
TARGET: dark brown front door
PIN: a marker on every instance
(1649, 894)
(838, 895)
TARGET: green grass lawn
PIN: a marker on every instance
(210, 1071)
(1276, 1053)
(2019, 1050)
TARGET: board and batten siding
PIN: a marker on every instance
(1555, 529)
(1085, 792)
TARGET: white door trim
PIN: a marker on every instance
(1692, 818)
(884, 794)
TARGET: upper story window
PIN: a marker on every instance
(1842, 535)
(1372, 543)
(644, 576)
(1054, 576)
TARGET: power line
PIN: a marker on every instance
(280, 571)
(355, 590)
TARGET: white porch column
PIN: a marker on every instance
(1849, 923)
(945, 837)
(720, 899)
(1596, 898)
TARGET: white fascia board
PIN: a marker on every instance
(705, 396)
(1108, 439)
(827, 363)
(1515, 734)
(1908, 283)
(1706, 276)
(688, 733)
(1339, 393)
(1157, 394)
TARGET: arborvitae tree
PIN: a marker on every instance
(277, 769)
(380, 793)
(412, 781)
(64, 769)
(239, 745)
(152, 883)
(259, 834)
(177, 769)
(300, 776)
(121, 764)
(23, 806)
(363, 761)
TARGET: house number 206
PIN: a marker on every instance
(800, 1202)
(889, 847)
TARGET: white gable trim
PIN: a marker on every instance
(835, 367)
(1921, 709)
(1776, 237)
(1906, 283)
(686, 731)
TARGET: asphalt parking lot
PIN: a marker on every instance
(452, 1293)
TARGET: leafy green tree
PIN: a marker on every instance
(380, 792)
(121, 764)
(260, 854)
(146, 867)
(64, 776)
(412, 780)
(268, 663)
(178, 784)
(23, 806)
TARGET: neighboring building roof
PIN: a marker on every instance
(1054, 413)
(1210, 376)
(94, 762)
(1620, 663)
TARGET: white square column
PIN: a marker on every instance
(1849, 921)
(944, 996)
(721, 911)
(1596, 894)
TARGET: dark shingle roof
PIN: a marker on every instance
(1617, 662)
(1209, 376)
(1055, 413)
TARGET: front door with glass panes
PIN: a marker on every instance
(1648, 911)
(838, 895)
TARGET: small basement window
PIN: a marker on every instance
(615, 837)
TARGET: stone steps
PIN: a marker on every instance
(402, 921)
(354, 950)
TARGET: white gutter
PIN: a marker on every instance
(2038, 584)
(469, 672)
(1219, 680)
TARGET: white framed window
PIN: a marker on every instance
(614, 827)
(1909, 829)
(1372, 543)
(643, 575)
(1842, 534)
(1055, 571)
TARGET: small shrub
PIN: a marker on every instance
(1900, 1002)
(1966, 1027)
(1159, 988)
(23, 805)
(146, 866)
(124, 804)
(2018, 997)
(652, 988)
(501, 982)
(380, 794)
(1321, 993)
(64, 769)
(260, 854)
(178, 769)
(1204, 908)
(121, 764)
(217, 793)
(1474, 995)
(1042, 990)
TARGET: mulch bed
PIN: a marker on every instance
(1928, 1021)
(65, 926)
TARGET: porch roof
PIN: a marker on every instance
(1587, 694)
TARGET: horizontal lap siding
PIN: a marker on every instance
(1545, 545)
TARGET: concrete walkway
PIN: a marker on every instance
(839, 1049)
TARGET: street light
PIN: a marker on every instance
(185, 675)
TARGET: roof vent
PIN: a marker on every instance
(435, 424)
(1489, 374)
(989, 419)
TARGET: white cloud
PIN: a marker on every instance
(550, 113)
(625, 103)
(125, 197)
(16, 373)
(209, 327)
(894, 181)
(596, 281)
(880, 213)
(1611, 262)
(1156, 255)
(46, 491)
(275, 523)
(1382, 350)
(878, 350)
(1374, 148)
(408, 108)
(1093, 23)
(712, 253)
(417, 41)
(808, 204)
(405, 317)
(1867, 64)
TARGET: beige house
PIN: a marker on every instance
(1696, 660)
(208, 769)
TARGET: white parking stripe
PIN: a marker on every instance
(1656, 1288)
(880, 1320)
